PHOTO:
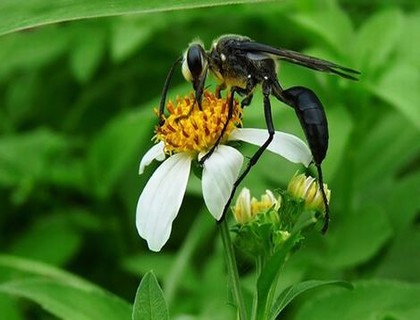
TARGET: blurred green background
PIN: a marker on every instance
(76, 116)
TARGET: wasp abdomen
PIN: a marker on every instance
(313, 120)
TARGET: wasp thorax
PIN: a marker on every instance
(191, 129)
(194, 63)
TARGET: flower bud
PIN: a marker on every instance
(247, 208)
(307, 188)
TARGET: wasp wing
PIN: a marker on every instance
(258, 49)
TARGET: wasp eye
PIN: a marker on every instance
(194, 62)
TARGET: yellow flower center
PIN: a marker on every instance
(189, 129)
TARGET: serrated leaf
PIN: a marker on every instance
(149, 303)
(69, 302)
(293, 291)
(380, 299)
(18, 15)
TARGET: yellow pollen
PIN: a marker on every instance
(189, 129)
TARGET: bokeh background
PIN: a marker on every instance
(76, 116)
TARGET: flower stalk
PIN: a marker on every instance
(232, 269)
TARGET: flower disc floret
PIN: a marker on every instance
(191, 129)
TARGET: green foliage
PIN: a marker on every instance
(369, 300)
(60, 293)
(76, 116)
(149, 303)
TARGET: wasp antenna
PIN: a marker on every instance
(324, 198)
(166, 87)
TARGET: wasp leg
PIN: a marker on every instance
(248, 92)
(229, 116)
(266, 86)
(324, 198)
(165, 89)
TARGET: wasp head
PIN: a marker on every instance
(194, 68)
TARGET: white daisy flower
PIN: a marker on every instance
(186, 135)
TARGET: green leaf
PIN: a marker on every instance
(399, 87)
(401, 200)
(380, 299)
(273, 266)
(86, 54)
(340, 127)
(63, 294)
(31, 50)
(290, 293)
(18, 15)
(37, 156)
(32, 268)
(376, 160)
(332, 26)
(373, 51)
(150, 303)
(52, 240)
(117, 145)
(67, 301)
(9, 308)
(130, 33)
(357, 237)
(407, 51)
(393, 266)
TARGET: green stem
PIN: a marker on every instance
(232, 269)
(271, 294)
(258, 269)
(199, 232)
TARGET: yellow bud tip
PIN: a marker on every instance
(247, 208)
(307, 188)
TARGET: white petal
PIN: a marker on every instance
(220, 171)
(161, 199)
(155, 152)
(286, 145)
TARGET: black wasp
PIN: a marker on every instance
(240, 64)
